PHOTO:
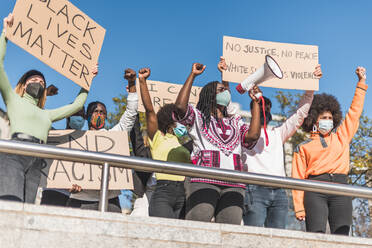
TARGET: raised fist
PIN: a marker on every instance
(361, 73)
(144, 73)
(130, 75)
(197, 68)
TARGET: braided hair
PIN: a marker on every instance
(207, 103)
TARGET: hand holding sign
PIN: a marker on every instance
(197, 69)
(8, 22)
(318, 72)
(144, 73)
(222, 66)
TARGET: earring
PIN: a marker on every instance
(315, 128)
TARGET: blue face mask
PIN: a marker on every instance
(76, 122)
(325, 126)
(223, 98)
(180, 130)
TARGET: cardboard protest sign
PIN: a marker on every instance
(60, 35)
(244, 56)
(162, 93)
(63, 174)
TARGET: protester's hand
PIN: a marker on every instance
(75, 189)
(253, 92)
(197, 69)
(95, 70)
(222, 66)
(130, 75)
(361, 73)
(52, 90)
(8, 21)
(144, 73)
(300, 216)
(318, 72)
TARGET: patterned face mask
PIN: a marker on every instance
(97, 121)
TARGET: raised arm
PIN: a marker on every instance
(222, 66)
(254, 131)
(68, 110)
(5, 87)
(350, 124)
(151, 119)
(298, 171)
(184, 94)
(290, 126)
(128, 118)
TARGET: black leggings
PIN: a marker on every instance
(334, 208)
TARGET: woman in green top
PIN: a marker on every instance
(20, 175)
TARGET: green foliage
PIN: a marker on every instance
(288, 104)
(361, 151)
(120, 107)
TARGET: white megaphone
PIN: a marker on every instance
(267, 71)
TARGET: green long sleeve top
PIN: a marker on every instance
(24, 114)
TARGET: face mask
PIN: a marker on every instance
(97, 121)
(325, 126)
(35, 90)
(76, 122)
(180, 130)
(223, 98)
(268, 117)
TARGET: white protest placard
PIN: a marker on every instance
(244, 56)
(60, 35)
(162, 93)
(63, 174)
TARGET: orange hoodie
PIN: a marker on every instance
(328, 154)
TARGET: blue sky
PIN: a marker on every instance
(168, 36)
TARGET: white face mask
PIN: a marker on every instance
(325, 126)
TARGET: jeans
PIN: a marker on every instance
(205, 201)
(319, 208)
(265, 206)
(168, 200)
(19, 177)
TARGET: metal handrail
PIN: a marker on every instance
(149, 165)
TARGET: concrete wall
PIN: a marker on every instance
(32, 226)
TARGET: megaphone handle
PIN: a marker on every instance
(263, 111)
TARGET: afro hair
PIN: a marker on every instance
(322, 103)
(165, 117)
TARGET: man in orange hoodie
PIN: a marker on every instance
(325, 157)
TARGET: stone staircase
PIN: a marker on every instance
(33, 226)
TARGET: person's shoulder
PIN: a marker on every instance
(302, 144)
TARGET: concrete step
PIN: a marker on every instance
(32, 226)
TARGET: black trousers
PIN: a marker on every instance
(168, 200)
(322, 207)
(113, 204)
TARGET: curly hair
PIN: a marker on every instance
(165, 118)
(207, 103)
(322, 103)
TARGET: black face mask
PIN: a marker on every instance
(268, 118)
(35, 90)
